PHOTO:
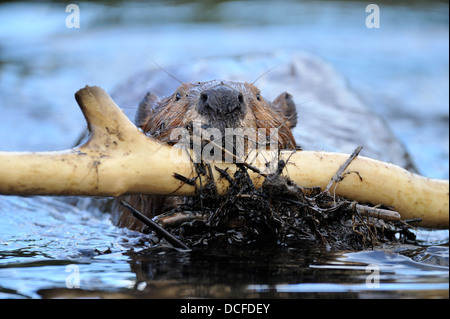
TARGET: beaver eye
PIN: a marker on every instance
(258, 96)
(177, 96)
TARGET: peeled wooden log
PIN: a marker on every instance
(119, 159)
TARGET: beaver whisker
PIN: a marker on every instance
(266, 72)
(166, 72)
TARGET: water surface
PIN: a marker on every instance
(399, 70)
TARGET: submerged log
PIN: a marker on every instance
(119, 159)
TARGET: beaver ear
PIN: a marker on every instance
(285, 104)
(145, 109)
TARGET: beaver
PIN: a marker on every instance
(219, 105)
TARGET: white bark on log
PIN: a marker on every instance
(119, 159)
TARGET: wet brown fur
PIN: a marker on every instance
(158, 118)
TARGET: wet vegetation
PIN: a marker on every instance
(282, 213)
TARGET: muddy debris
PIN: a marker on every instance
(281, 212)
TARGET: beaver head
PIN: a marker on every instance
(220, 105)
(216, 104)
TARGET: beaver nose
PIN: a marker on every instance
(221, 100)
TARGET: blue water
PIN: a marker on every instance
(400, 70)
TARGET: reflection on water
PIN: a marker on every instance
(42, 238)
(400, 70)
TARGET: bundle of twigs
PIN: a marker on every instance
(282, 212)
